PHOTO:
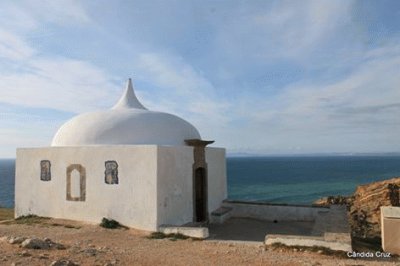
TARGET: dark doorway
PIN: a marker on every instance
(200, 195)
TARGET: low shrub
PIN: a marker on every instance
(30, 219)
(110, 224)
(160, 235)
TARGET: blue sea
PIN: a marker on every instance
(7, 178)
(292, 180)
(302, 180)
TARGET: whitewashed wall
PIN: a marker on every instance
(175, 200)
(155, 184)
(217, 182)
(131, 202)
(175, 183)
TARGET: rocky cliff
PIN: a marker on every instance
(365, 206)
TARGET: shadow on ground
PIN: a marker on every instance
(248, 229)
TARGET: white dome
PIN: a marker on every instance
(127, 123)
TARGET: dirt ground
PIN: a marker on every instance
(93, 245)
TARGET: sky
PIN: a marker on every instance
(258, 77)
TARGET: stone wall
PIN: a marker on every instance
(274, 212)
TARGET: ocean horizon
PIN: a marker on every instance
(286, 179)
(304, 179)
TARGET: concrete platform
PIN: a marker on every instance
(306, 241)
(330, 230)
(250, 229)
(190, 231)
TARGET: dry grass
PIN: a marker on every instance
(6, 214)
(7, 218)
(27, 219)
(316, 249)
(160, 235)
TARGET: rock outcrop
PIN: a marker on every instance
(36, 243)
(334, 200)
(365, 207)
(63, 262)
(32, 243)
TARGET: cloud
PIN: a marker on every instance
(286, 29)
(61, 84)
(26, 15)
(31, 80)
(360, 111)
(20, 20)
(25, 130)
(272, 76)
(64, 12)
(13, 47)
(29, 77)
(184, 91)
(370, 110)
(173, 72)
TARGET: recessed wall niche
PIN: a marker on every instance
(82, 182)
(111, 172)
(45, 170)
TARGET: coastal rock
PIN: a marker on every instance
(63, 262)
(113, 262)
(35, 243)
(4, 239)
(24, 254)
(334, 200)
(43, 256)
(90, 251)
(365, 208)
(13, 239)
(16, 240)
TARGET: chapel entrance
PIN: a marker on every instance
(200, 192)
(200, 182)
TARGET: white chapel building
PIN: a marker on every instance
(141, 168)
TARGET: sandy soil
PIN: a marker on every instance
(94, 245)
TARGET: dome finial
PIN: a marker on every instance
(128, 99)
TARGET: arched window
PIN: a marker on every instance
(76, 182)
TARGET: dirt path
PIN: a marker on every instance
(93, 245)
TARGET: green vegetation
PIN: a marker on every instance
(29, 219)
(172, 237)
(317, 249)
(7, 216)
(111, 224)
(69, 226)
